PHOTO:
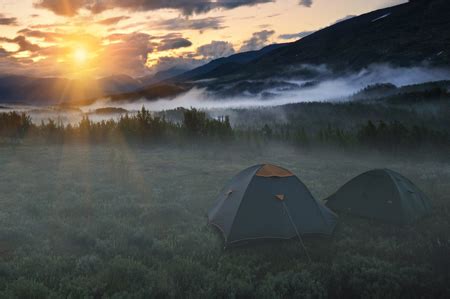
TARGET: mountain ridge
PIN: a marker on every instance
(410, 34)
(417, 32)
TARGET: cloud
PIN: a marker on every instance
(129, 53)
(187, 7)
(112, 21)
(194, 24)
(22, 42)
(306, 3)
(46, 36)
(8, 21)
(173, 43)
(295, 35)
(62, 7)
(216, 49)
(257, 41)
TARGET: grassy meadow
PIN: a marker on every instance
(129, 221)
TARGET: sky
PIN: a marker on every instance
(100, 38)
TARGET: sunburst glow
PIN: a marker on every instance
(80, 55)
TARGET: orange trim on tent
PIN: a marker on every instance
(269, 170)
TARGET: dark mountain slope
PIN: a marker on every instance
(413, 33)
(403, 35)
(230, 63)
(163, 75)
(154, 92)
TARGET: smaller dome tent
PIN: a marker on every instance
(268, 202)
(381, 194)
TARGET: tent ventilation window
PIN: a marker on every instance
(280, 197)
(272, 171)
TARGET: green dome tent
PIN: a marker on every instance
(381, 194)
(265, 202)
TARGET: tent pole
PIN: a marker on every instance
(296, 231)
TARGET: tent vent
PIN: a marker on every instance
(279, 196)
(269, 171)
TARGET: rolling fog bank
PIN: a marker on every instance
(324, 87)
(251, 94)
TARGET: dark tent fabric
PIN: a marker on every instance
(381, 194)
(266, 201)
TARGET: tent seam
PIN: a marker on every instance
(405, 218)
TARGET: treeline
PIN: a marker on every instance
(381, 135)
(390, 94)
(143, 126)
(196, 125)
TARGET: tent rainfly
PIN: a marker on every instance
(381, 194)
(268, 202)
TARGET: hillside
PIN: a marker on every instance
(233, 62)
(407, 35)
(414, 33)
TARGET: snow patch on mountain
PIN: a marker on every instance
(382, 17)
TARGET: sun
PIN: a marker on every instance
(80, 55)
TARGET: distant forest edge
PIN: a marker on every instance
(407, 131)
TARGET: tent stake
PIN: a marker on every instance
(296, 231)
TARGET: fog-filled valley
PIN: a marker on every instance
(378, 82)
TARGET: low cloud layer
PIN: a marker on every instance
(332, 89)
